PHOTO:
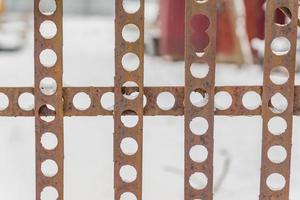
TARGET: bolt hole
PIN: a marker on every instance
(199, 126)
(165, 101)
(279, 75)
(277, 154)
(131, 6)
(48, 58)
(198, 181)
(199, 38)
(129, 118)
(49, 168)
(223, 100)
(26, 101)
(129, 146)
(82, 101)
(128, 173)
(198, 153)
(130, 62)
(47, 113)
(4, 101)
(108, 101)
(282, 16)
(131, 33)
(49, 193)
(199, 70)
(276, 182)
(130, 90)
(277, 125)
(49, 141)
(48, 86)
(128, 196)
(48, 29)
(201, 1)
(280, 46)
(47, 7)
(251, 100)
(278, 103)
(199, 98)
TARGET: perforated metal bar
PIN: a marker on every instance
(128, 103)
(195, 170)
(48, 94)
(150, 109)
(278, 123)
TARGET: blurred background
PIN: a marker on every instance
(89, 61)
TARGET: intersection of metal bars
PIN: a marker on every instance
(50, 108)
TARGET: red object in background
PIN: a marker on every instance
(255, 18)
(172, 20)
(226, 42)
(172, 28)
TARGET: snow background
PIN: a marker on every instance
(89, 61)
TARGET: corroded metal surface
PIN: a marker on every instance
(124, 185)
(48, 160)
(151, 109)
(203, 171)
(136, 101)
(275, 174)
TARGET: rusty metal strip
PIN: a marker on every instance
(193, 169)
(271, 137)
(46, 179)
(151, 109)
(122, 184)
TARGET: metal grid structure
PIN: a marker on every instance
(52, 105)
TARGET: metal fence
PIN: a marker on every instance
(52, 104)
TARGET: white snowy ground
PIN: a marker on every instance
(88, 61)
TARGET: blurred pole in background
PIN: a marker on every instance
(255, 19)
(172, 28)
(2, 6)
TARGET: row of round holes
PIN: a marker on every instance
(251, 100)
(277, 125)
(279, 75)
(48, 87)
(223, 100)
(48, 57)
(130, 62)
(26, 103)
(198, 153)
(199, 125)
(82, 101)
(128, 145)
(131, 34)
(165, 101)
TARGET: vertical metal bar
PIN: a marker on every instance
(281, 119)
(128, 162)
(201, 170)
(48, 96)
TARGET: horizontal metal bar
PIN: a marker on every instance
(151, 108)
